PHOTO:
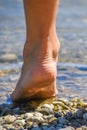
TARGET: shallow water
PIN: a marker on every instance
(72, 32)
(71, 80)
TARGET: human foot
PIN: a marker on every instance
(38, 75)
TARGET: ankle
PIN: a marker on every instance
(44, 44)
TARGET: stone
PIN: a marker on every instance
(67, 128)
(38, 114)
(36, 119)
(9, 119)
(51, 128)
(19, 122)
(44, 127)
(63, 121)
(16, 110)
(28, 115)
(36, 128)
(79, 113)
(8, 127)
(45, 109)
(85, 116)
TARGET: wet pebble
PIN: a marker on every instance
(45, 109)
(63, 121)
(67, 128)
(19, 122)
(28, 115)
(37, 128)
(44, 127)
(85, 116)
(51, 128)
(9, 119)
(16, 110)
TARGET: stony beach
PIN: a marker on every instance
(50, 114)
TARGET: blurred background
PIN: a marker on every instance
(71, 30)
(72, 33)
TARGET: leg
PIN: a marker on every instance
(38, 74)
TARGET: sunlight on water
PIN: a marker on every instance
(72, 33)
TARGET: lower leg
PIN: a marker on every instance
(38, 75)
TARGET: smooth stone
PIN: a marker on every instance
(80, 113)
(51, 128)
(38, 114)
(45, 109)
(36, 128)
(9, 57)
(36, 118)
(9, 119)
(52, 119)
(1, 120)
(29, 124)
(58, 114)
(16, 110)
(8, 127)
(19, 122)
(63, 121)
(85, 116)
(28, 115)
(44, 127)
(67, 128)
(50, 107)
(20, 117)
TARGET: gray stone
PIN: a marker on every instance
(36, 128)
(63, 121)
(44, 127)
(16, 110)
(79, 113)
(51, 128)
(85, 116)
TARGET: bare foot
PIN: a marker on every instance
(38, 74)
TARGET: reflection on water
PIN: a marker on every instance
(72, 32)
(71, 80)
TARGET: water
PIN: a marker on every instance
(72, 32)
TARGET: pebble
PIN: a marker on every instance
(85, 116)
(48, 107)
(21, 117)
(51, 128)
(16, 110)
(63, 121)
(67, 128)
(37, 128)
(28, 115)
(44, 127)
(9, 119)
(19, 122)
(9, 57)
